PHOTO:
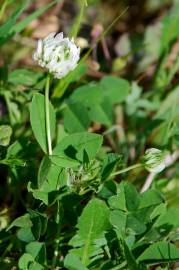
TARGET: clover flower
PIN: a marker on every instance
(57, 54)
(154, 160)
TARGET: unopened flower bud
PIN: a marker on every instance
(154, 160)
(57, 54)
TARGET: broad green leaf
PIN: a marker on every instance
(22, 222)
(37, 119)
(118, 220)
(37, 251)
(160, 252)
(24, 77)
(5, 135)
(125, 222)
(43, 170)
(25, 235)
(92, 225)
(89, 95)
(134, 224)
(50, 171)
(150, 198)
(74, 145)
(170, 218)
(102, 113)
(107, 189)
(76, 118)
(35, 266)
(64, 162)
(14, 149)
(24, 261)
(127, 198)
(94, 220)
(48, 192)
(72, 262)
(115, 89)
(109, 162)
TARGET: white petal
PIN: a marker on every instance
(39, 47)
(59, 36)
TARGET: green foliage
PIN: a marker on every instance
(37, 119)
(5, 135)
(92, 225)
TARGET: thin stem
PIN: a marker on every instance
(3, 8)
(47, 115)
(127, 169)
(8, 103)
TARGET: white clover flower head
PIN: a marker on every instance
(154, 160)
(57, 54)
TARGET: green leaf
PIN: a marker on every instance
(72, 262)
(150, 198)
(170, 218)
(160, 252)
(76, 118)
(37, 119)
(13, 149)
(131, 263)
(5, 135)
(43, 170)
(118, 219)
(170, 21)
(5, 29)
(36, 266)
(135, 224)
(24, 77)
(37, 251)
(50, 173)
(74, 145)
(89, 95)
(127, 198)
(92, 225)
(22, 222)
(24, 261)
(25, 235)
(64, 162)
(109, 162)
(115, 89)
(102, 113)
(171, 101)
(125, 222)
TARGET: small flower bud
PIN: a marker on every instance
(154, 160)
(59, 55)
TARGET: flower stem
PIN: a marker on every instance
(127, 169)
(47, 115)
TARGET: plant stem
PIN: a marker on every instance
(127, 169)
(3, 8)
(47, 115)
